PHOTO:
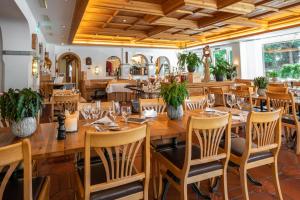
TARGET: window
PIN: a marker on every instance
(283, 58)
(224, 53)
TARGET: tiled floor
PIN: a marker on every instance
(62, 170)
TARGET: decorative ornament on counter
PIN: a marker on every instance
(206, 59)
(61, 133)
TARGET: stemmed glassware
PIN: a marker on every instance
(112, 113)
(126, 112)
(239, 102)
(210, 100)
(231, 100)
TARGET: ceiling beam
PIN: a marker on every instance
(178, 23)
(241, 21)
(111, 18)
(113, 32)
(80, 8)
(171, 6)
(224, 3)
(219, 17)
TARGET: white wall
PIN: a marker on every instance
(1, 64)
(99, 54)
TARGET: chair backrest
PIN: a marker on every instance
(284, 101)
(278, 84)
(195, 102)
(209, 133)
(218, 91)
(245, 93)
(11, 156)
(244, 81)
(67, 102)
(156, 104)
(3, 122)
(277, 89)
(264, 130)
(117, 151)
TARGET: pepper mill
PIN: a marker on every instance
(61, 133)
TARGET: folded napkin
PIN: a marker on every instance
(105, 120)
(215, 111)
(150, 113)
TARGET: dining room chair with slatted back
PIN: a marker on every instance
(117, 176)
(195, 102)
(220, 95)
(290, 120)
(3, 123)
(64, 102)
(278, 84)
(277, 89)
(246, 94)
(13, 187)
(156, 104)
(260, 147)
(199, 159)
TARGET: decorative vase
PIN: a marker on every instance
(191, 69)
(174, 113)
(219, 77)
(25, 127)
(261, 92)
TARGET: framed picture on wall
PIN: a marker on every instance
(34, 41)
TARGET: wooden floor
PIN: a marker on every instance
(61, 171)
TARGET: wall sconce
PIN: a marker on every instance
(96, 70)
(35, 64)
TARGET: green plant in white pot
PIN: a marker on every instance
(20, 108)
(174, 95)
(261, 83)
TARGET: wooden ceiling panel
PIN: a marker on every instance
(177, 23)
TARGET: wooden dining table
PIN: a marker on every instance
(44, 141)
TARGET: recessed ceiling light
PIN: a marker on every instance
(63, 26)
(62, 44)
(124, 20)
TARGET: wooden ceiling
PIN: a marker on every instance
(177, 23)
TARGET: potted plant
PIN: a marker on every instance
(174, 95)
(261, 84)
(231, 71)
(191, 60)
(273, 75)
(20, 108)
(220, 69)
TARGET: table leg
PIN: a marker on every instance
(261, 105)
(299, 110)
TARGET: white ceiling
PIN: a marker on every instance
(60, 13)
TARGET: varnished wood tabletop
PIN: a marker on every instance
(44, 143)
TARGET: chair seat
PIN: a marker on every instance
(98, 175)
(14, 188)
(238, 147)
(288, 120)
(177, 157)
(161, 145)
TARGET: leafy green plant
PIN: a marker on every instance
(174, 94)
(191, 60)
(261, 82)
(231, 71)
(272, 74)
(290, 71)
(16, 105)
(220, 69)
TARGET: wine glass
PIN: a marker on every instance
(126, 112)
(240, 101)
(210, 100)
(87, 111)
(230, 100)
(112, 113)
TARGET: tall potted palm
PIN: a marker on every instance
(174, 95)
(191, 60)
(20, 108)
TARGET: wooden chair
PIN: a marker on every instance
(277, 89)
(104, 106)
(260, 147)
(199, 160)
(3, 122)
(62, 103)
(245, 93)
(27, 188)
(295, 84)
(116, 177)
(248, 82)
(290, 120)
(278, 84)
(218, 92)
(195, 102)
(156, 104)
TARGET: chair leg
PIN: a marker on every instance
(225, 187)
(276, 180)
(166, 186)
(197, 190)
(297, 143)
(183, 192)
(214, 184)
(243, 178)
(159, 196)
(253, 181)
(154, 174)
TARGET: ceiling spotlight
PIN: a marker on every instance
(124, 20)
(63, 26)
(62, 44)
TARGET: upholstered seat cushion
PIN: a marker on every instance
(14, 188)
(161, 145)
(288, 120)
(238, 148)
(98, 175)
(177, 157)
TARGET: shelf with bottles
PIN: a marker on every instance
(135, 70)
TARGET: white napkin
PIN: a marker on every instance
(237, 118)
(105, 120)
(150, 113)
(214, 110)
